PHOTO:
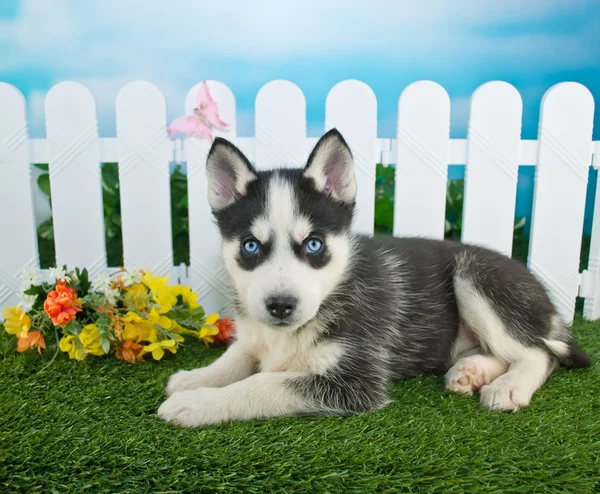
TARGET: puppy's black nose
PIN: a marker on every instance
(281, 307)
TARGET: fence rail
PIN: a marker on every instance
(385, 152)
(421, 152)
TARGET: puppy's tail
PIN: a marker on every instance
(568, 353)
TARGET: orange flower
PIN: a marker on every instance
(130, 352)
(226, 330)
(33, 339)
(61, 304)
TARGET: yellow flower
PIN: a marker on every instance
(137, 296)
(165, 299)
(70, 345)
(90, 339)
(162, 293)
(131, 317)
(209, 330)
(186, 294)
(138, 329)
(16, 321)
(213, 318)
(155, 317)
(158, 349)
(154, 282)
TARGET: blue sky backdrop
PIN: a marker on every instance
(461, 44)
(387, 44)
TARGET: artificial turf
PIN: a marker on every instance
(91, 426)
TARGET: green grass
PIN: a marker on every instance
(91, 426)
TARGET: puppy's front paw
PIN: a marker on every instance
(506, 394)
(194, 408)
(188, 380)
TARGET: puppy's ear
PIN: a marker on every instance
(331, 167)
(229, 173)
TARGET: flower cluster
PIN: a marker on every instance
(130, 314)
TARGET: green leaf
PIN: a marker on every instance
(73, 328)
(44, 183)
(46, 230)
(105, 344)
(41, 166)
(183, 202)
(384, 213)
(197, 313)
(83, 279)
(35, 290)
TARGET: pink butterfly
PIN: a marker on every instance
(204, 118)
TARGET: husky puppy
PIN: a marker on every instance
(327, 319)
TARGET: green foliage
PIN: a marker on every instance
(384, 199)
(44, 183)
(454, 209)
(454, 212)
(91, 426)
(111, 201)
(384, 212)
(179, 216)
(384, 205)
(112, 216)
(82, 284)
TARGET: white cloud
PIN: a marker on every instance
(43, 29)
(137, 34)
(44, 23)
(106, 43)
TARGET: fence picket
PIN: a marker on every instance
(207, 271)
(565, 138)
(591, 307)
(422, 160)
(145, 154)
(75, 180)
(18, 250)
(351, 107)
(492, 166)
(421, 152)
(280, 126)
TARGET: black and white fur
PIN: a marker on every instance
(361, 312)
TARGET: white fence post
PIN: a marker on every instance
(18, 248)
(422, 160)
(145, 153)
(591, 306)
(565, 143)
(280, 126)
(422, 149)
(207, 271)
(74, 162)
(492, 170)
(351, 107)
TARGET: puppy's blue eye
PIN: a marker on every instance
(250, 247)
(313, 246)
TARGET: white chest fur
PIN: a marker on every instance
(280, 351)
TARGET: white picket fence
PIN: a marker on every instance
(422, 151)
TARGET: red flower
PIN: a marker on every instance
(61, 304)
(226, 330)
